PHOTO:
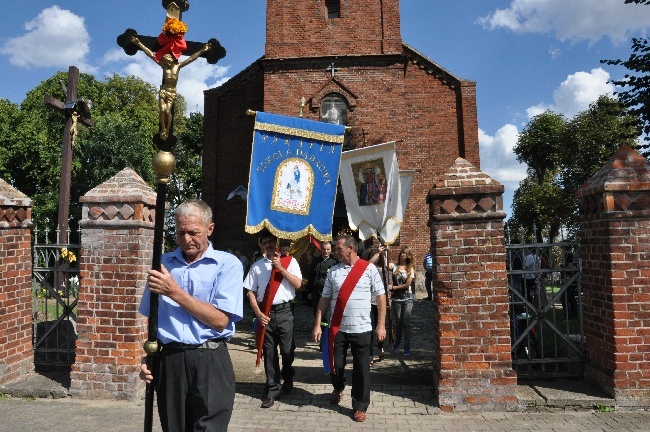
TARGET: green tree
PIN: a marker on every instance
(592, 137)
(9, 118)
(540, 144)
(125, 116)
(540, 147)
(635, 93)
(561, 156)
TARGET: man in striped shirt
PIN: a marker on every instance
(355, 325)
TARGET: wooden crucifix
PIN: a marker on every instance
(75, 112)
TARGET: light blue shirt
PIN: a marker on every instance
(215, 278)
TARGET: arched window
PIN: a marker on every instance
(334, 109)
(333, 8)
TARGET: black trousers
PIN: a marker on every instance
(195, 389)
(359, 343)
(279, 334)
(374, 316)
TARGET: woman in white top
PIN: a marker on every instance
(403, 274)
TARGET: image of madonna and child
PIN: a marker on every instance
(400, 279)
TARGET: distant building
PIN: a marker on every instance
(347, 59)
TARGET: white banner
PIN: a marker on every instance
(375, 202)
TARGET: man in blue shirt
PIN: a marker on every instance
(200, 300)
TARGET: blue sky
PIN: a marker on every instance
(525, 55)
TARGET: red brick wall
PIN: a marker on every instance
(301, 29)
(615, 251)
(473, 368)
(16, 355)
(116, 252)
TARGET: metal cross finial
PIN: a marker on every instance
(331, 68)
(303, 102)
(363, 134)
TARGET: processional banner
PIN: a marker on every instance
(374, 196)
(293, 176)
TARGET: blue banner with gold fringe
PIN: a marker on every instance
(293, 176)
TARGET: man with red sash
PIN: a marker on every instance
(346, 298)
(271, 300)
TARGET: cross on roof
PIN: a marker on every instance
(331, 68)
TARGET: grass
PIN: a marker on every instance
(51, 309)
(604, 408)
(3, 397)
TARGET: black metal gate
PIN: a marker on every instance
(545, 309)
(55, 289)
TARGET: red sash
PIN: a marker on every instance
(341, 301)
(269, 294)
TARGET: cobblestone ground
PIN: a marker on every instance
(394, 369)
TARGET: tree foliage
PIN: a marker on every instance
(562, 155)
(635, 93)
(540, 144)
(125, 116)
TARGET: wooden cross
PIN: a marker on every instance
(75, 111)
(332, 69)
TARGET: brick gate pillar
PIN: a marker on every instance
(16, 355)
(615, 252)
(473, 368)
(116, 249)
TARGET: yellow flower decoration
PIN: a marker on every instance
(174, 26)
(68, 255)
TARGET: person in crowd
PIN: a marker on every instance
(531, 264)
(403, 274)
(279, 322)
(322, 266)
(376, 256)
(346, 299)
(427, 263)
(200, 299)
(570, 298)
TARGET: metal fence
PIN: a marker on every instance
(546, 309)
(55, 288)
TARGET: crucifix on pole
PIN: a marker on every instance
(165, 50)
(75, 112)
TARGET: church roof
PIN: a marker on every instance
(413, 55)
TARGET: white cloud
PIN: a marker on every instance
(55, 38)
(580, 89)
(576, 93)
(498, 159)
(572, 20)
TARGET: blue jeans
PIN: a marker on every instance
(402, 321)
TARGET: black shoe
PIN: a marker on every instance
(268, 403)
(287, 387)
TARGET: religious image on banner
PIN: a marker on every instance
(293, 176)
(370, 182)
(376, 192)
(293, 186)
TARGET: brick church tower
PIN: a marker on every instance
(348, 55)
